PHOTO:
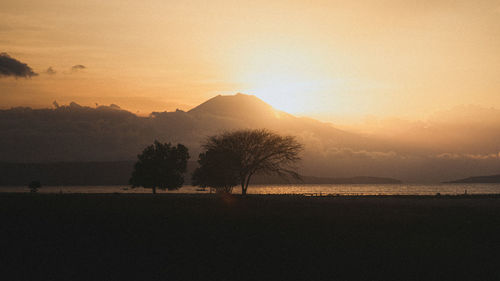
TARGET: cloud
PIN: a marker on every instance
(50, 71)
(9, 66)
(348, 153)
(78, 67)
(455, 156)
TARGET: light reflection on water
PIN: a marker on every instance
(307, 189)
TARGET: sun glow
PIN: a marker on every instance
(287, 78)
(286, 92)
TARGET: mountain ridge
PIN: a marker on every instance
(233, 105)
(75, 133)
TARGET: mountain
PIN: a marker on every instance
(75, 133)
(478, 179)
(239, 106)
(248, 111)
(80, 133)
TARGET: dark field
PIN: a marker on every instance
(204, 237)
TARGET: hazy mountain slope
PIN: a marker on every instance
(465, 129)
(247, 111)
(243, 107)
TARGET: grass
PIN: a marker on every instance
(261, 237)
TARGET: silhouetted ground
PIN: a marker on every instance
(204, 237)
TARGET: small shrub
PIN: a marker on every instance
(34, 186)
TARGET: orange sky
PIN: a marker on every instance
(332, 60)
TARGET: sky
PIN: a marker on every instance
(331, 60)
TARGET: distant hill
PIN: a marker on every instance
(478, 179)
(118, 173)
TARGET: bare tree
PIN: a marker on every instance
(253, 151)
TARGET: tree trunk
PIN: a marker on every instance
(244, 185)
(154, 189)
(243, 189)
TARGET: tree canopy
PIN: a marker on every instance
(232, 158)
(160, 165)
(218, 169)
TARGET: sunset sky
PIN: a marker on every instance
(331, 60)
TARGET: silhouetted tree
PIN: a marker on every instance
(160, 166)
(34, 186)
(218, 169)
(236, 156)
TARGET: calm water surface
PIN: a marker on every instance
(307, 189)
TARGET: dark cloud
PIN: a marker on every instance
(78, 67)
(50, 71)
(9, 66)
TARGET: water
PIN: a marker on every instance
(306, 189)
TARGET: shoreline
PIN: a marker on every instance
(257, 196)
(314, 190)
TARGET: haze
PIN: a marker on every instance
(332, 60)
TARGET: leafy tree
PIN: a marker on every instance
(234, 157)
(34, 186)
(160, 165)
(218, 169)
